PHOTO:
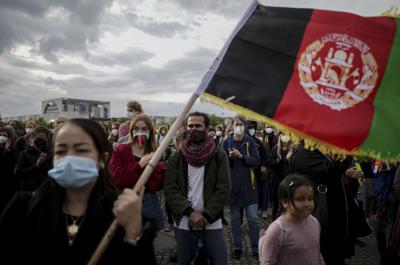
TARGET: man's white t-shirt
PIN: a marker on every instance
(195, 197)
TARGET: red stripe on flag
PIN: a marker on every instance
(338, 70)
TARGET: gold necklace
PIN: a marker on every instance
(74, 227)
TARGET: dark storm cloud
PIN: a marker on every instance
(129, 57)
(33, 8)
(179, 75)
(49, 81)
(69, 42)
(22, 89)
(61, 69)
(6, 81)
(89, 12)
(159, 29)
(228, 8)
(196, 60)
(13, 29)
(21, 93)
(57, 29)
(25, 22)
(188, 9)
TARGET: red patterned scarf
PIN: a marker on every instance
(198, 155)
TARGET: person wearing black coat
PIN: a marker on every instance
(332, 201)
(278, 162)
(8, 160)
(64, 220)
(34, 162)
(261, 177)
(22, 142)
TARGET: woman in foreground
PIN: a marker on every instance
(63, 221)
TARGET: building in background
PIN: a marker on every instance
(69, 108)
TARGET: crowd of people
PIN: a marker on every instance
(63, 186)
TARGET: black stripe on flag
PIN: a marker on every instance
(260, 59)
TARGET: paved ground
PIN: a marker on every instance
(165, 244)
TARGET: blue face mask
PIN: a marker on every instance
(74, 171)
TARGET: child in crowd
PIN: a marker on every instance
(293, 238)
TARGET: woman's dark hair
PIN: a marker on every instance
(288, 186)
(10, 134)
(96, 132)
(44, 130)
(41, 130)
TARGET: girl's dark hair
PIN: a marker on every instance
(288, 186)
(96, 132)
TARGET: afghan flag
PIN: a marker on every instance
(330, 78)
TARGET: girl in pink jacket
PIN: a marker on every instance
(293, 238)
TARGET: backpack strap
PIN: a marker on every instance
(252, 177)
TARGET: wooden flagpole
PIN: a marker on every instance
(161, 149)
(144, 177)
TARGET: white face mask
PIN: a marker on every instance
(114, 132)
(129, 114)
(285, 138)
(252, 132)
(218, 133)
(269, 130)
(238, 130)
(29, 130)
(3, 139)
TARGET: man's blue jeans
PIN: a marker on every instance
(188, 243)
(254, 226)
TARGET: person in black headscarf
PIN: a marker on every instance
(333, 201)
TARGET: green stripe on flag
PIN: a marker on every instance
(384, 135)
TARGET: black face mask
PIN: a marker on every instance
(41, 144)
(196, 137)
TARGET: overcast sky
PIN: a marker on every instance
(153, 51)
